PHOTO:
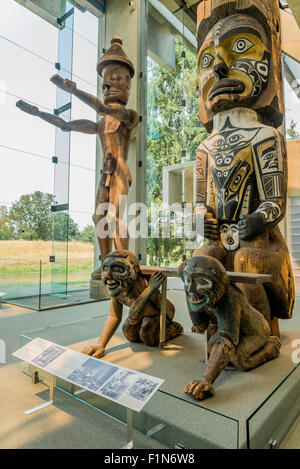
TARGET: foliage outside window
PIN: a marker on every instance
(174, 133)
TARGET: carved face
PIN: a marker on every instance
(230, 236)
(233, 63)
(116, 84)
(118, 275)
(205, 282)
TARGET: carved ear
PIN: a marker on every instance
(181, 269)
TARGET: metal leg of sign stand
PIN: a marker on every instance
(129, 421)
(163, 315)
(46, 404)
(206, 347)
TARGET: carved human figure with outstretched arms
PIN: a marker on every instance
(126, 285)
(114, 131)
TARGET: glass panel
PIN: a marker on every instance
(174, 133)
(15, 20)
(20, 278)
(27, 77)
(85, 54)
(271, 421)
(191, 426)
(62, 168)
(291, 70)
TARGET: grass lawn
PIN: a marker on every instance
(23, 257)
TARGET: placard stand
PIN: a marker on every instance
(129, 412)
(51, 395)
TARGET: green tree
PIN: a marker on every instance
(174, 133)
(30, 218)
(64, 227)
(87, 234)
(6, 229)
(292, 132)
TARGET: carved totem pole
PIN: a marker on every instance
(114, 131)
(241, 187)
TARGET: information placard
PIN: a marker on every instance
(129, 388)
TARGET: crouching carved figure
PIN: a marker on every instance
(126, 285)
(242, 335)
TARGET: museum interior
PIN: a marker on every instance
(150, 268)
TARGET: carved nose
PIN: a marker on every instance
(221, 70)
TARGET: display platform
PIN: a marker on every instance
(250, 409)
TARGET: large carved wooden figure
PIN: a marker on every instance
(241, 188)
(114, 131)
(241, 167)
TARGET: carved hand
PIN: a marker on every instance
(156, 280)
(199, 389)
(33, 110)
(251, 225)
(64, 84)
(96, 351)
(211, 229)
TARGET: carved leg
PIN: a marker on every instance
(256, 346)
(102, 199)
(131, 332)
(173, 330)
(221, 353)
(118, 192)
(150, 328)
(250, 354)
(149, 331)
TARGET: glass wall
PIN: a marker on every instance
(174, 132)
(48, 176)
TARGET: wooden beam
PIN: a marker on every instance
(294, 5)
(290, 35)
(236, 277)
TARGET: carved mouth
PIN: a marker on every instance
(111, 92)
(226, 86)
(111, 284)
(198, 299)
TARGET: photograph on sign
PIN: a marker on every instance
(131, 389)
(119, 383)
(142, 389)
(92, 374)
(48, 356)
(33, 349)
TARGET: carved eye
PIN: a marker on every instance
(241, 45)
(118, 268)
(263, 69)
(206, 60)
(234, 139)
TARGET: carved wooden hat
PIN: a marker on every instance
(115, 54)
(270, 104)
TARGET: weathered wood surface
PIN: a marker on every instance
(236, 277)
(271, 103)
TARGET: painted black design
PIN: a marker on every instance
(257, 70)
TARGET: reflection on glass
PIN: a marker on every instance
(291, 70)
(27, 145)
(174, 133)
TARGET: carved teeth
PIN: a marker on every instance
(111, 283)
(197, 299)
